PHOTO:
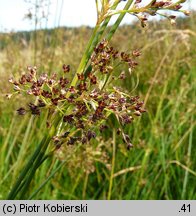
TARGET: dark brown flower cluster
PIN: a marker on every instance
(90, 115)
(167, 4)
(49, 91)
(85, 107)
(153, 8)
(104, 56)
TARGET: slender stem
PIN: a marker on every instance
(32, 160)
(95, 41)
(22, 175)
(111, 32)
(118, 21)
(185, 182)
(113, 163)
(39, 160)
(53, 173)
(95, 37)
(85, 186)
(24, 145)
(85, 57)
(6, 143)
(47, 180)
(97, 8)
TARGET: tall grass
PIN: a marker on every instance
(160, 166)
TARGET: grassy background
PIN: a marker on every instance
(162, 164)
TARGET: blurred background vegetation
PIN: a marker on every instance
(162, 164)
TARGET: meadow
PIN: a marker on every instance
(162, 162)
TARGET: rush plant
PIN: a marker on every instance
(80, 109)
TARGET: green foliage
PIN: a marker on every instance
(161, 165)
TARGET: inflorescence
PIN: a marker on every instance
(85, 107)
(143, 9)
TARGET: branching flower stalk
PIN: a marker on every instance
(102, 23)
(78, 109)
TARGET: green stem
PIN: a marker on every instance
(53, 173)
(113, 163)
(118, 21)
(110, 34)
(91, 45)
(47, 180)
(45, 141)
(85, 186)
(38, 162)
(85, 57)
(40, 159)
(24, 145)
(185, 182)
(22, 175)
